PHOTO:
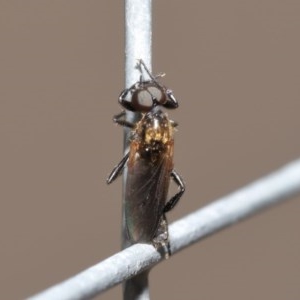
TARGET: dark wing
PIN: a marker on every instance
(145, 197)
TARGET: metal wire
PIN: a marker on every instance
(138, 26)
(263, 193)
(138, 40)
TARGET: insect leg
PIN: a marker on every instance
(120, 119)
(117, 170)
(173, 201)
(161, 240)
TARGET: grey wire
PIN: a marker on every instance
(138, 39)
(261, 194)
(138, 25)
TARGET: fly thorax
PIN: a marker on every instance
(154, 131)
(157, 134)
(157, 128)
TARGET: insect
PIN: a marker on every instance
(149, 162)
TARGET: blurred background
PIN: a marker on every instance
(235, 68)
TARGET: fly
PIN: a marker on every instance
(149, 162)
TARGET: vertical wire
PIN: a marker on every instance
(138, 45)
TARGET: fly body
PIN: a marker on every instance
(149, 162)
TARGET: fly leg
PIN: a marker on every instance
(161, 239)
(120, 119)
(117, 170)
(173, 201)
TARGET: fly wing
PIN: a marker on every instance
(146, 192)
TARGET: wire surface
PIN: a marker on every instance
(138, 45)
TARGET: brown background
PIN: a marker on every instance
(235, 68)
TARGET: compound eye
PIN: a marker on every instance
(157, 94)
(142, 100)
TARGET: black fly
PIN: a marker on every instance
(149, 162)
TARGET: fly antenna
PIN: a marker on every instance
(141, 63)
(159, 75)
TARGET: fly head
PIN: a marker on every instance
(145, 95)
